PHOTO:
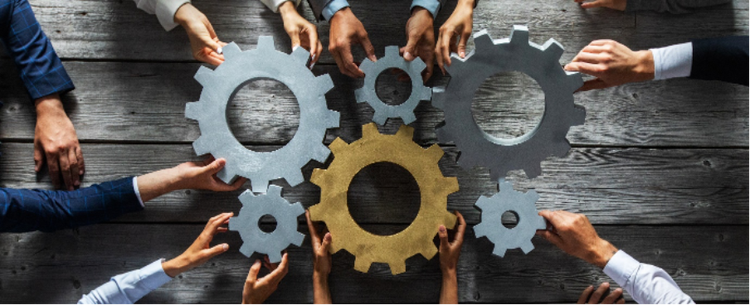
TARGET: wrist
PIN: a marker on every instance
(645, 65)
(345, 12)
(602, 253)
(466, 3)
(448, 273)
(181, 16)
(320, 277)
(418, 10)
(49, 105)
(175, 266)
(287, 8)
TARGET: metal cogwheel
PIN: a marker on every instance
(220, 85)
(393, 60)
(372, 148)
(254, 239)
(514, 54)
(493, 208)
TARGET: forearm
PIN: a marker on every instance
(671, 6)
(49, 107)
(158, 183)
(647, 284)
(321, 291)
(128, 288)
(449, 289)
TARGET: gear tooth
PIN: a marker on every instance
(504, 185)
(434, 153)
(297, 209)
(266, 43)
(418, 65)
(273, 190)
(317, 176)
(438, 97)
(533, 170)
(332, 119)
(324, 83)
(561, 149)
(227, 176)
(202, 145)
(362, 265)
(482, 40)
(428, 250)
(294, 177)
(397, 267)
(574, 80)
(480, 230)
(579, 117)
(553, 49)
(532, 195)
(314, 213)
(301, 56)
(391, 51)
(260, 185)
(193, 110)
(519, 35)
(246, 249)
(366, 65)
(527, 247)
(425, 94)
(297, 239)
(449, 220)
(274, 257)
(203, 75)
(320, 153)
(541, 224)
(337, 146)
(234, 223)
(230, 50)
(405, 132)
(246, 197)
(499, 250)
(379, 118)
(360, 95)
(370, 130)
(483, 203)
(408, 117)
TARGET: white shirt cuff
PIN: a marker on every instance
(153, 275)
(165, 10)
(433, 6)
(274, 4)
(673, 61)
(137, 192)
(621, 267)
(333, 7)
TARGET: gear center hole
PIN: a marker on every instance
(383, 198)
(263, 110)
(393, 86)
(510, 219)
(508, 107)
(267, 223)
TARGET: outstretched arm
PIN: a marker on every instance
(321, 244)
(449, 254)
(671, 6)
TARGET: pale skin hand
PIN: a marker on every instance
(347, 30)
(449, 254)
(200, 251)
(188, 175)
(421, 40)
(613, 64)
(203, 40)
(591, 296)
(257, 290)
(613, 4)
(321, 245)
(56, 142)
(302, 32)
(574, 234)
(457, 27)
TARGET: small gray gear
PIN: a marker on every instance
(253, 238)
(220, 85)
(493, 208)
(392, 60)
(479, 148)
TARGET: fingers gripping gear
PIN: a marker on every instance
(494, 56)
(493, 208)
(393, 60)
(434, 189)
(221, 84)
(254, 239)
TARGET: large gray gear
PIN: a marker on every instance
(514, 54)
(493, 208)
(392, 60)
(220, 85)
(253, 238)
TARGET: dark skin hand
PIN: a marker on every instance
(421, 40)
(347, 30)
(600, 296)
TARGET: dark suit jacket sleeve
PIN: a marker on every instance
(672, 6)
(317, 7)
(24, 210)
(724, 59)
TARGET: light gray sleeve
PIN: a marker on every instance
(672, 6)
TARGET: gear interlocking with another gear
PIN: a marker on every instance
(490, 57)
(372, 148)
(219, 87)
(509, 200)
(253, 237)
(392, 60)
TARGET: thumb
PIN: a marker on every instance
(254, 270)
(597, 3)
(462, 44)
(210, 43)
(215, 166)
(214, 251)
(326, 245)
(294, 35)
(596, 83)
(409, 49)
(443, 234)
(38, 156)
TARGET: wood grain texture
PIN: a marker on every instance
(709, 264)
(610, 185)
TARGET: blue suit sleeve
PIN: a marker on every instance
(723, 58)
(24, 210)
(41, 70)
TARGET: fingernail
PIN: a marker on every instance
(225, 247)
(462, 54)
(294, 47)
(407, 56)
(219, 50)
(442, 228)
(328, 237)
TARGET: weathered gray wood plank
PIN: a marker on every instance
(709, 263)
(122, 101)
(611, 186)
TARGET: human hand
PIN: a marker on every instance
(449, 253)
(421, 40)
(56, 142)
(347, 30)
(599, 297)
(574, 234)
(257, 290)
(203, 40)
(302, 32)
(201, 175)
(321, 262)
(613, 64)
(613, 4)
(458, 25)
(200, 252)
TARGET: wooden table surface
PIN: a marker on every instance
(660, 168)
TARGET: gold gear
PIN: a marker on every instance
(372, 148)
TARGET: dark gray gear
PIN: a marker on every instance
(220, 85)
(392, 60)
(253, 238)
(493, 208)
(514, 54)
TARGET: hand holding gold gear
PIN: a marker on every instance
(372, 148)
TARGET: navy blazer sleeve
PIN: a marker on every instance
(41, 70)
(24, 210)
(723, 58)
